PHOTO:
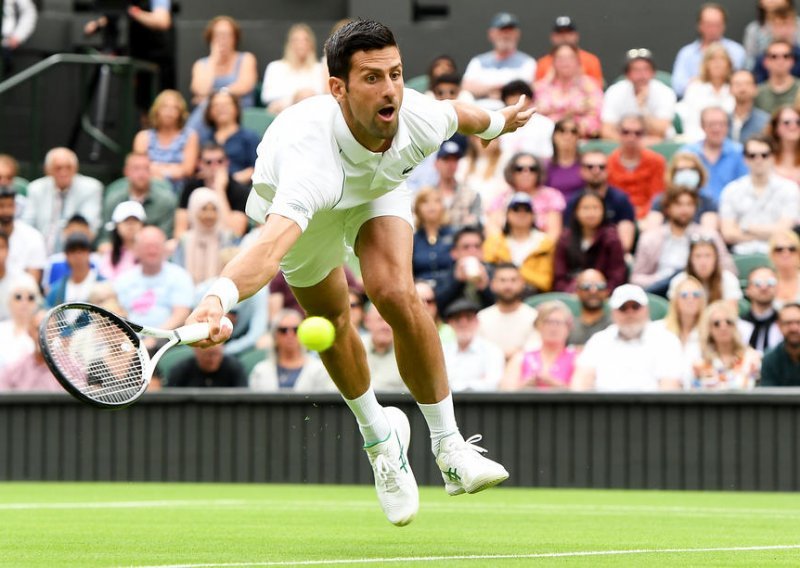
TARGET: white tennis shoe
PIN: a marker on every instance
(394, 480)
(464, 469)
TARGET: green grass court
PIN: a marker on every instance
(91, 524)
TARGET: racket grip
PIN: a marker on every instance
(197, 331)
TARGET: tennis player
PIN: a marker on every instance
(331, 173)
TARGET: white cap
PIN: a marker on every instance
(128, 209)
(627, 293)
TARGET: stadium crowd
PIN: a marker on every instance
(638, 234)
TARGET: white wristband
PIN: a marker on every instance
(496, 124)
(227, 292)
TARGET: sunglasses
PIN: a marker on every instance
(641, 53)
(691, 294)
(554, 322)
(587, 286)
(637, 133)
(754, 155)
(29, 297)
(600, 167)
(568, 130)
(719, 323)
(630, 307)
(286, 329)
(766, 283)
(531, 169)
(786, 55)
(779, 249)
(217, 161)
(520, 209)
(701, 239)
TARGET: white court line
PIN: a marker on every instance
(125, 504)
(485, 557)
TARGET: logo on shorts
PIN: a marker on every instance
(299, 208)
(408, 169)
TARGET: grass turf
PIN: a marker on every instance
(92, 524)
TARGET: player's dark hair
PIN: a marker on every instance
(358, 35)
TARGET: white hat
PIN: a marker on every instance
(128, 209)
(627, 293)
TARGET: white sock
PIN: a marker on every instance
(441, 419)
(371, 420)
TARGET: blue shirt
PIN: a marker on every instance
(432, 261)
(760, 72)
(687, 63)
(755, 124)
(240, 148)
(618, 207)
(728, 167)
(149, 300)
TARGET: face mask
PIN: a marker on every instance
(687, 178)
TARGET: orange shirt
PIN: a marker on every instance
(589, 63)
(640, 184)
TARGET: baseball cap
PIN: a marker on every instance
(450, 148)
(627, 293)
(504, 20)
(564, 23)
(77, 241)
(520, 198)
(461, 306)
(128, 209)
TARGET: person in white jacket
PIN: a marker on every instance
(19, 21)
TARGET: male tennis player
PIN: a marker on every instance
(330, 173)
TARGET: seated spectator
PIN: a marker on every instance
(59, 195)
(753, 207)
(250, 319)
(523, 245)
(6, 276)
(358, 299)
(26, 247)
(783, 25)
(9, 168)
(30, 372)
(663, 251)
(169, 143)
(210, 367)
(566, 91)
(381, 360)
(57, 265)
(224, 116)
(127, 220)
(564, 170)
(428, 298)
(535, 136)
(22, 302)
(704, 263)
(469, 277)
(19, 20)
(158, 202)
(711, 21)
(102, 294)
(589, 242)
(481, 169)
(462, 204)
(760, 291)
(640, 93)
(781, 86)
(746, 120)
(758, 33)
(508, 323)
(565, 32)
(433, 239)
(784, 252)
(618, 209)
(634, 169)
(683, 320)
(212, 172)
(488, 72)
(712, 87)
(721, 157)
(473, 363)
(781, 365)
(444, 81)
(551, 365)
(726, 362)
(289, 367)
(592, 292)
(199, 249)
(298, 74)
(75, 286)
(633, 355)
(784, 129)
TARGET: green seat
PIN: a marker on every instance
(601, 144)
(418, 83)
(250, 358)
(657, 306)
(123, 182)
(666, 149)
(170, 358)
(571, 300)
(744, 307)
(257, 120)
(746, 263)
(20, 185)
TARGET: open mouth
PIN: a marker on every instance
(387, 113)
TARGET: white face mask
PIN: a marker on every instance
(687, 178)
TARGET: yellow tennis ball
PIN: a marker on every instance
(316, 333)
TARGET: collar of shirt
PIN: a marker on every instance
(353, 149)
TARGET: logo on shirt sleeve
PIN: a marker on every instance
(407, 170)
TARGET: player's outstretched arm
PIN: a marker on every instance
(473, 119)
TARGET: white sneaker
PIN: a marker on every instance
(394, 480)
(464, 469)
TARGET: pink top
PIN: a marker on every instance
(28, 374)
(582, 100)
(561, 369)
(127, 260)
(545, 200)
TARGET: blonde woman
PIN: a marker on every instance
(683, 319)
(726, 362)
(710, 88)
(297, 75)
(481, 169)
(784, 251)
(433, 238)
(22, 301)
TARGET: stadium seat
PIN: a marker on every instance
(123, 182)
(170, 358)
(666, 149)
(569, 299)
(602, 145)
(418, 83)
(20, 185)
(257, 120)
(658, 306)
(250, 358)
(746, 263)
(744, 307)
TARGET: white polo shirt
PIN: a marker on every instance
(620, 99)
(309, 160)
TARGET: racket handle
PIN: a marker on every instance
(197, 331)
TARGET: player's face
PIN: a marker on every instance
(371, 100)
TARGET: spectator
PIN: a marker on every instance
(758, 33)
(784, 252)
(592, 292)
(753, 207)
(760, 290)
(289, 367)
(634, 169)
(447, 87)
(523, 245)
(463, 205)
(508, 323)
(663, 251)
(618, 209)
(6, 275)
(551, 365)
(781, 365)
(170, 144)
(75, 286)
(381, 360)
(127, 220)
(564, 170)
(250, 317)
(19, 21)
(683, 320)
(712, 87)
(781, 86)
(224, 116)
(59, 195)
(705, 265)
(631, 355)
(57, 265)
(566, 91)
(9, 168)
(26, 248)
(746, 120)
(534, 137)
(711, 21)
(589, 242)
(427, 297)
(295, 76)
(29, 372)
(102, 294)
(433, 239)
(565, 32)
(22, 301)
(357, 301)
(640, 93)
(441, 66)
(488, 72)
(209, 367)
(473, 363)
(158, 202)
(726, 362)
(784, 129)
(721, 157)
(481, 169)
(469, 277)
(783, 26)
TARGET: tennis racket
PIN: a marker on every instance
(98, 357)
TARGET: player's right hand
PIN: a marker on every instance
(209, 310)
(517, 115)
